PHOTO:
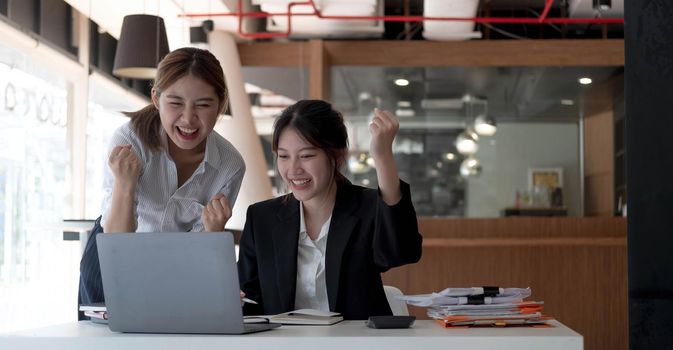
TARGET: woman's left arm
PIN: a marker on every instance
(396, 237)
(396, 240)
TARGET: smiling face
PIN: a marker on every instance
(188, 109)
(306, 169)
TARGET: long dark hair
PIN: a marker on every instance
(177, 64)
(320, 125)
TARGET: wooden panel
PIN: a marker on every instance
(599, 163)
(522, 227)
(598, 194)
(581, 279)
(319, 72)
(495, 53)
(598, 143)
(271, 54)
(400, 53)
(600, 97)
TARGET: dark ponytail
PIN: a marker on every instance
(147, 125)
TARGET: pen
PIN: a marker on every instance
(249, 301)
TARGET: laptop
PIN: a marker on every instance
(172, 283)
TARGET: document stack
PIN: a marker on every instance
(96, 312)
(481, 306)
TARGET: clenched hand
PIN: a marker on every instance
(216, 214)
(125, 165)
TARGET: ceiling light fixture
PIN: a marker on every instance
(485, 125)
(142, 44)
(470, 167)
(404, 113)
(467, 142)
(404, 109)
(567, 102)
(401, 82)
(370, 162)
(357, 163)
(585, 81)
(467, 98)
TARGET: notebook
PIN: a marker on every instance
(299, 317)
(172, 283)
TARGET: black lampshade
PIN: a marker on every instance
(197, 35)
(142, 44)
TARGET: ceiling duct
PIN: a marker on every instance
(314, 27)
(450, 30)
(442, 103)
(586, 8)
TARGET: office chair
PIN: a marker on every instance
(398, 307)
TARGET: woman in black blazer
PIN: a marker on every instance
(325, 245)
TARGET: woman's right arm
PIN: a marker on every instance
(124, 164)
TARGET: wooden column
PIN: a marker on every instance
(240, 130)
(599, 155)
(319, 71)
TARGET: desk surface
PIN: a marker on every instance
(350, 335)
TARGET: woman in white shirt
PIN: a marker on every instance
(168, 171)
(325, 245)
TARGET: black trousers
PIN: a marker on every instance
(90, 281)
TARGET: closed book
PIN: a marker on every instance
(299, 317)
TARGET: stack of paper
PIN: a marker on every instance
(95, 312)
(480, 306)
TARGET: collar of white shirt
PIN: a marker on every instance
(303, 234)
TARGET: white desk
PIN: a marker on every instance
(347, 335)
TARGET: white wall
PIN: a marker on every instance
(507, 156)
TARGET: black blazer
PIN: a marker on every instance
(366, 237)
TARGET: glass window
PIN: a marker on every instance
(445, 147)
(38, 269)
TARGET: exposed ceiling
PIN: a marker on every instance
(109, 14)
(513, 94)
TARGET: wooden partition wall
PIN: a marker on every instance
(577, 266)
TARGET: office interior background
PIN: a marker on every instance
(60, 102)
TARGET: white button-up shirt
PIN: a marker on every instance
(311, 291)
(160, 206)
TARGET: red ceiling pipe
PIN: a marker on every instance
(542, 19)
(266, 35)
(547, 7)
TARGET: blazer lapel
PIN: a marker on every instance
(285, 240)
(341, 228)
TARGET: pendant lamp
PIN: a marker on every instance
(485, 125)
(142, 44)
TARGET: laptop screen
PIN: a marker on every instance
(170, 282)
